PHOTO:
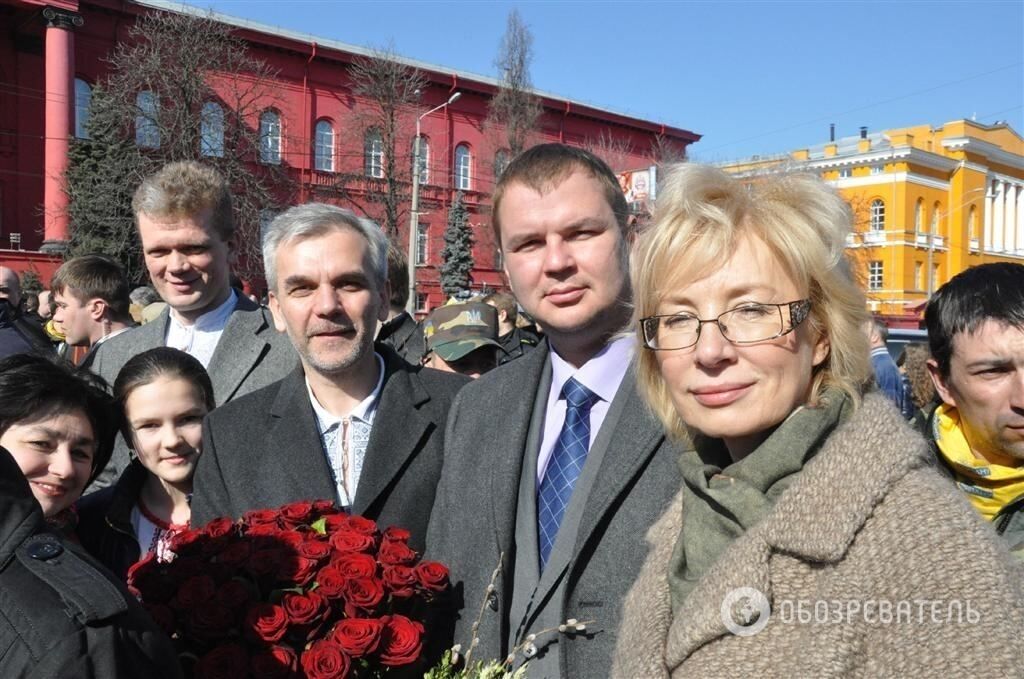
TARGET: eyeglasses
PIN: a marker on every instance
(746, 324)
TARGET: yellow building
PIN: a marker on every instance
(927, 203)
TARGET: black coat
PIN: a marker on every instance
(263, 450)
(61, 613)
(105, 521)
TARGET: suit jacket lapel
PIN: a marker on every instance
(238, 350)
(511, 425)
(293, 442)
(398, 429)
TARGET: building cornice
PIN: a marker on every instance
(990, 151)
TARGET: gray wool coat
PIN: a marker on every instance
(868, 520)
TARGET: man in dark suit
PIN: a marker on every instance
(184, 217)
(354, 423)
(573, 468)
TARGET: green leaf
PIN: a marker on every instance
(320, 525)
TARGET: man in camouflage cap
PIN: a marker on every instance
(462, 338)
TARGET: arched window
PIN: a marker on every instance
(463, 168)
(83, 101)
(323, 148)
(211, 130)
(424, 163)
(877, 215)
(500, 163)
(918, 215)
(373, 154)
(935, 220)
(147, 133)
(270, 138)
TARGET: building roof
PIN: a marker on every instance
(306, 38)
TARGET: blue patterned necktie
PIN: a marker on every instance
(567, 458)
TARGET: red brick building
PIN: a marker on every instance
(51, 54)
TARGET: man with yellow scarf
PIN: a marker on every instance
(976, 335)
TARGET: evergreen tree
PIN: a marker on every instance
(457, 255)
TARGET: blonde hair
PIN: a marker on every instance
(185, 189)
(701, 215)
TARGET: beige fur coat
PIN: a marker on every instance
(868, 525)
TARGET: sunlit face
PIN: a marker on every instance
(187, 260)
(986, 385)
(565, 257)
(166, 418)
(55, 455)
(328, 301)
(739, 393)
(77, 318)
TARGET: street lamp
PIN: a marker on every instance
(931, 236)
(414, 213)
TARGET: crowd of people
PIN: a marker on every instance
(703, 407)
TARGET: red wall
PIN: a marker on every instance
(326, 94)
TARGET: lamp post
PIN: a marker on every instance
(414, 212)
(931, 239)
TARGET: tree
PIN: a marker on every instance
(179, 88)
(391, 89)
(457, 254)
(515, 108)
(615, 151)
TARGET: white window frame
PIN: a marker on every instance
(463, 168)
(373, 154)
(877, 215)
(211, 130)
(323, 146)
(270, 137)
(876, 275)
(83, 105)
(424, 159)
(422, 244)
(876, 169)
(845, 173)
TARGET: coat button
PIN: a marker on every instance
(45, 550)
(492, 601)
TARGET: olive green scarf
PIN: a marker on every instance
(723, 499)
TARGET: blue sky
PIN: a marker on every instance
(752, 77)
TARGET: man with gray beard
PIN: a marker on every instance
(354, 423)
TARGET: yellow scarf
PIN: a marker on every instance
(989, 487)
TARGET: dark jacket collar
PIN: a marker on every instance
(20, 514)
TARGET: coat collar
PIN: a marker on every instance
(851, 475)
(241, 346)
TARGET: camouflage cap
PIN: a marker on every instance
(454, 330)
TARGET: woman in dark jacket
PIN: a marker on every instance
(164, 395)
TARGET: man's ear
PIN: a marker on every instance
(941, 383)
(97, 309)
(275, 311)
(385, 302)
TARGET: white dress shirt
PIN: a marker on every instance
(347, 433)
(602, 375)
(199, 340)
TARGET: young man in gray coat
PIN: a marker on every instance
(573, 470)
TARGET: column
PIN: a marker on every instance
(60, 75)
(998, 217)
(1011, 218)
(989, 207)
(1020, 219)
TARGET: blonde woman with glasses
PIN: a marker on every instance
(811, 536)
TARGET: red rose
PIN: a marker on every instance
(330, 582)
(297, 569)
(222, 662)
(219, 528)
(317, 550)
(290, 539)
(266, 622)
(266, 562)
(186, 567)
(362, 594)
(433, 576)
(358, 636)
(321, 507)
(325, 660)
(194, 591)
(234, 594)
(210, 621)
(336, 522)
(396, 553)
(296, 513)
(187, 542)
(235, 554)
(163, 616)
(361, 524)
(403, 641)
(396, 534)
(305, 609)
(263, 530)
(351, 541)
(401, 580)
(259, 517)
(277, 662)
(355, 565)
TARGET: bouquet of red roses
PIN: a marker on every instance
(303, 590)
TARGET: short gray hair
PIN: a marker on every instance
(317, 219)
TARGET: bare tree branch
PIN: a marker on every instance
(514, 109)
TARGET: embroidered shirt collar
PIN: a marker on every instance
(364, 410)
